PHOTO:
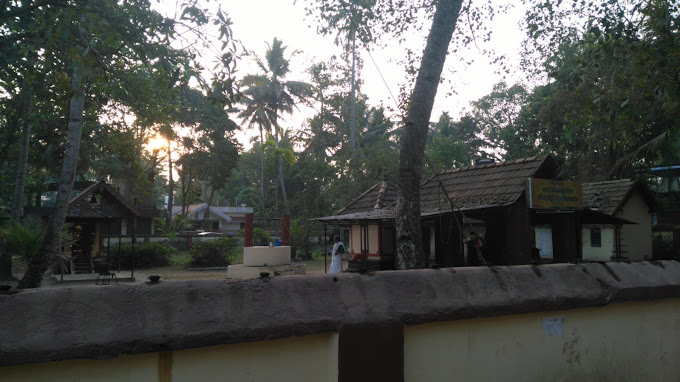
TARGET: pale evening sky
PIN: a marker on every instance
(257, 22)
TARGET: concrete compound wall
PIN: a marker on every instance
(611, 321)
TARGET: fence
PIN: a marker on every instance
(611, 321)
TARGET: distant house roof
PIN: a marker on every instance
(610, 196)
(493, 184)
(381, 195)
(195, 208)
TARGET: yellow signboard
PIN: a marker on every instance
(553, 194)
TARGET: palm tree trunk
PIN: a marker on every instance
(49, 244)
(171, 186)
(353, 121)
(410, 253)
(262, 176)
(278, 162)
(5, 262)
(22, 168)
(283, 189)
(18, 201)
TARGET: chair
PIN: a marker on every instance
(105, 274)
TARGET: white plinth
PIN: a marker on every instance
(264, 256)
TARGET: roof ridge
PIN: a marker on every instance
(381, 194)
(494, 164)
(358, 197)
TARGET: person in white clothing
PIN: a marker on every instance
(336, 256)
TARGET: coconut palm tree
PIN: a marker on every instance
(267, 96)
(254, 115)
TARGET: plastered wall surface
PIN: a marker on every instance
(357, 238)
(621, 342)
(601, 253)
(594, 321)
(309, 358)
(135, 368)
(637, 238)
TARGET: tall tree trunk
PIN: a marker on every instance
(283, 189)
(22, 168)
(353, 107)
(51, 240)
(262, 175)
(184, 187)
(171, 186)
(5, 262)
(278, 161)
(207, 208)
(410, 253)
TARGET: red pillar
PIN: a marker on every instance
(248, 236)
(285, 229)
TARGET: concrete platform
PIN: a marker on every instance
(241, 271)
(265, 256)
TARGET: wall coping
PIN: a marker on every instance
(107, 321)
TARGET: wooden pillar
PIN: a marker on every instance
(285, 230)
(248, 234)
(518, 238)
(495, 238)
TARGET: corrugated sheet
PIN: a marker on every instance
(608, 196)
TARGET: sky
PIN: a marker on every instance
(257, 22)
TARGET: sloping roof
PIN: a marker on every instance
(381, 195)
(472, 187)
(195, 208)
(493, 184)
(607, 197)
(74, 206)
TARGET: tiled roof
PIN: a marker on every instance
(194, 208)
(608, 196)
(381, 195)
(493, 184)
(79, 206)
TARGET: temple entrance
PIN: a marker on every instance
(81, 247)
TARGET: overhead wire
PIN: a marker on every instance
(454, 207)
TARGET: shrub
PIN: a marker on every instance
(147, 255)
(214, 253)
(22, 238)
(260, 237)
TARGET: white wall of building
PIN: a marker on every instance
(602, 253)
(636, 238)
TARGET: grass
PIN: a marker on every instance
(180, 263)
(180, 260)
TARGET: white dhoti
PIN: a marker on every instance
(336, 263)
